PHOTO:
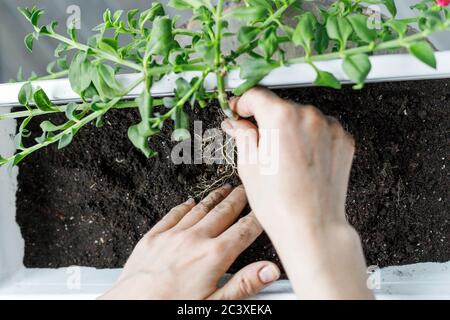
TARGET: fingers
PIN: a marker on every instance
(224, 214)
(240, 236)
(248, 282)
(173, 217)
(245, 134)
(257, 102)
(206, 205)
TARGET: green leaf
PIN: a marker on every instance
(50, 67)
(338, 28)
(392, 8)
(257, 13)
(109, 45)
(359, 24)
(42, 101)
(131, 17)
(19, 75)
(65, 140)
(18, 158)
(424, 52)
(357, 67)
(140, 142)
(247, 34)
(116, 16)
(188, 4)
(321, 40)
(269, 42)
(109, 76)
(206, 50)
(34, 19)
(161, 38)
(48, 126)
(25, 94)
(262, 3)
(62, 47)
(22, 132)
(104, 80)
(182, 87)
(145, 103)
(29, 41)
(304, 32)
(3, 161)
(62, 63)
(49, 29)
(25, 12)
(253, 71)
(326, 79)
(156, 10)
(398, 26)
(256, 69)
(70, 111)
(181, 120)
(80, 73)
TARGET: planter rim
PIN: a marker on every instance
(389, 67)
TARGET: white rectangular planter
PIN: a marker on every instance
(427, 280)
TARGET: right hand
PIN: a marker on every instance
(301, 204)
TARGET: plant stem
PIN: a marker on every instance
(56, 75)
(364, 49)
(98, 52)
(183, 100)
(131, 104)
(183, 32)
(219, 63)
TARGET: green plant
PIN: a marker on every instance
(153, 50)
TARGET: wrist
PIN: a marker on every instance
(327, 257)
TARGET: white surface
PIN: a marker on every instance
(419, 281)
(11, 243)
(392, 67)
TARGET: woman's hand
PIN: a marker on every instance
(295, 166)
(191, 248)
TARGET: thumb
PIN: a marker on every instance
(248, 281)
(246, 135)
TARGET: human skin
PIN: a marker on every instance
(301, 206)
(186, 254)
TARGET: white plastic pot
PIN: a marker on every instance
(426, 280)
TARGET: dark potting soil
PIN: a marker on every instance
(90, 203)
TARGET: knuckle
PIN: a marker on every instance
(195, 232)
(225, 207)
(248, 228)
(314, 117)
(246, 286)
(283, 113)
(350, 140)
(206, 204)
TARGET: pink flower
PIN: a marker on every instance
(443, 3)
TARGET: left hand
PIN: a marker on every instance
(191, 248)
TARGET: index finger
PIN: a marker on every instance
(257, 102)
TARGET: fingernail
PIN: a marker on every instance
(190, 201)
(233, 100)
(228, 186)
(226, 125)
(268, 274)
